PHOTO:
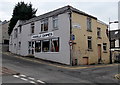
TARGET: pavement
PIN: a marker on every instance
(59, 65)
(42, 72)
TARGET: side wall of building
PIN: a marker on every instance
(80, 48)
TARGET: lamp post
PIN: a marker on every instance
(110, 40)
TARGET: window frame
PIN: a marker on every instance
(55, 22)
(89, 24)
(44, 25)
(105, 45)
(89, 39)
(32, 28)
(99, 32)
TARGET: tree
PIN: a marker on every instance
(21, 11)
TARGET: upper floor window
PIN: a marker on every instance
(32, 28)
(99, 32)
(55, 22)
(20, 29)
(44, 25)
(89, 24)
(15, 33)
(104, 46)
(112, 43)
(89, 42)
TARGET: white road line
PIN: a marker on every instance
(16, 76)
(31, 81)
(24, 79)
(23, 75)
(31, 78)
(40, 81)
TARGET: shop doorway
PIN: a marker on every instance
(31, 48)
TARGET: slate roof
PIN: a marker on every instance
(56, 12)
(115, 34)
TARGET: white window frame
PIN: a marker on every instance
(89, 39)
(99, 32)
(55, 22)
(89, 24)
(105, 45)
(43, 22)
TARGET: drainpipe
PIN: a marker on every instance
(70, 17)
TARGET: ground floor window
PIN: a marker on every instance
(46, 45)
(104, 46)
(37, 46)
(55, 45)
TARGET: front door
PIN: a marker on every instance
(99, 53)
(31, 48)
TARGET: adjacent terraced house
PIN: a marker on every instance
(65, 35)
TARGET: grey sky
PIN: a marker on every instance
(103, 9)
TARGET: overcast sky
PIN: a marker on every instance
(102, 9)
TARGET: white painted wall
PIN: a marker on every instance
(119, 14)
(63, 33)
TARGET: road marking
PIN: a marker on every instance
(32, 82)
(23, 75)
(16, 76)
(24, 79)
(31, 78)
(40, 81)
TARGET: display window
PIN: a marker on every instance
(37, 46)
(50, 45)
(55, 45)
(45, 45)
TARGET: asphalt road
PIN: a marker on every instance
(34, 72)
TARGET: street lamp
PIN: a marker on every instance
(110, 40)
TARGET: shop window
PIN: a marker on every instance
(104, 46)
(89, 42)
(44, 25)
(37, 46)
(89, 24)
(55, 45)
(55, 22)
(45, 45)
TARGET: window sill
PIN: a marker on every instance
(104, 51)
(90, 50)
(99, 37)
(89, 30)
(54, 29)
(43, 32)
(48, 52)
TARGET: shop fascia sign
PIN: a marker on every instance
(44, 35)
